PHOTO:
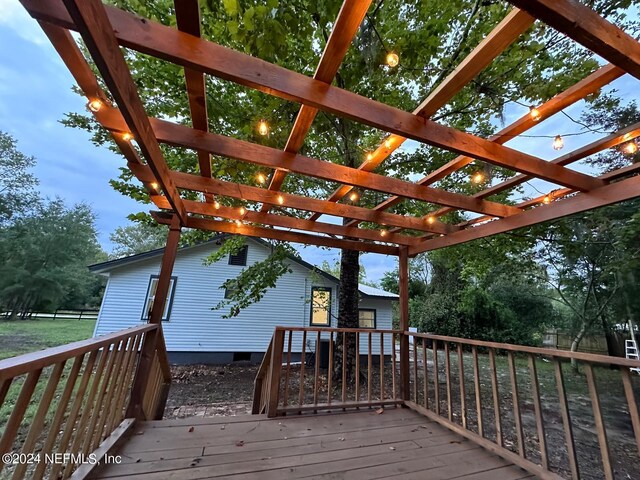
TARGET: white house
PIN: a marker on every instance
(197, 334)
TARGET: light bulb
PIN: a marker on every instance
(546, 200)
(558, 143)
(216, 205)
(263, 128)
(261, 178)
(630, 148)
(388, 142)
(242, 210)
(383, 233)
(369, 156)
(431, 219)
(238, 223)
(353, 197)
(154, 185)
(534, 113)
(477, 177)
(392, 59)
(126, 136)
(95, 105)
(280, 199)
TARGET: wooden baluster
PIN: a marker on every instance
(415, 370)
(316, 373)
(463, 393)
(303, 357)
(4, 389)
(381, 367)
(566, 420)
(357, 367)
(478, 393)
(600, 428)
(516, 404)
(496, 397)
(447, 371)
(369, 368)
(38, 420)
(285, 400)
(128, 377)
(425, 377)
(436, 376)
(393, 366)
(345, 352)
(275, 372)
(535, 393)
(330, 369)
(69, 426)
(631, 403)
(54, 428)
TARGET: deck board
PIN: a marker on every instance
(398, 443)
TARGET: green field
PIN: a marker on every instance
(24, 336)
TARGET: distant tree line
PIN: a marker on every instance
(45, 245)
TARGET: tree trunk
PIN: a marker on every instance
(575, 344)
(348, 300)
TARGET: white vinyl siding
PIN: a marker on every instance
(194, 326)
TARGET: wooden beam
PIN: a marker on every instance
(188, 21)
(344, 29)
(261, 232)
(172, 45)
(607, 195)
(93, 24)
(505, 33)
(609, 141)
(588, 28)
(269, 219)
(254, 194)
(183, 136)
(591, 84)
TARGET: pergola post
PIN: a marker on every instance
(134, 409)
(403, 270)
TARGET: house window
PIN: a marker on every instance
(367, 318)
(240, 257)
(228, 292)
(151, 295)
(321, 306)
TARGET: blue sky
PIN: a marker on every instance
(35, 93)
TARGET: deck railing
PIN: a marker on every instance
(62, 408)
(516, 400)
(298, 374)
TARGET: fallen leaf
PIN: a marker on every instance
(240, 443)
(380, 411)
(191, 429)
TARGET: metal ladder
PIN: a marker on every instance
(631, 348)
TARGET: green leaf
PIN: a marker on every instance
(231, 6)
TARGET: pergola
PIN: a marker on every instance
(132, 375)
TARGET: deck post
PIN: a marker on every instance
(153, 338)
(403, 269)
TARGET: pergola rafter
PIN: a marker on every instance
(105, 29)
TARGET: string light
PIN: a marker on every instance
(127, 137)
(630, 148)
(94, 105)
(558, 143)
(392, 59)
(546, 200)
(388, 142)
(477, 177)
(354, 196)
(369, 156)
(263, 128)
(431, 219)
(216, 205)
(383, 233)
(242, 210)
(154, 185)
(238, 223)
(280, 199)
(261, 178)
(534, 113)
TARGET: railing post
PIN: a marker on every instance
(403, 270)
(154, 338)
(274, 372)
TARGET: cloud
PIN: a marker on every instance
(16, 18)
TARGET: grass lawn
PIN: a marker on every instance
(23, 336)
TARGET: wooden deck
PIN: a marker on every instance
(398, 444)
